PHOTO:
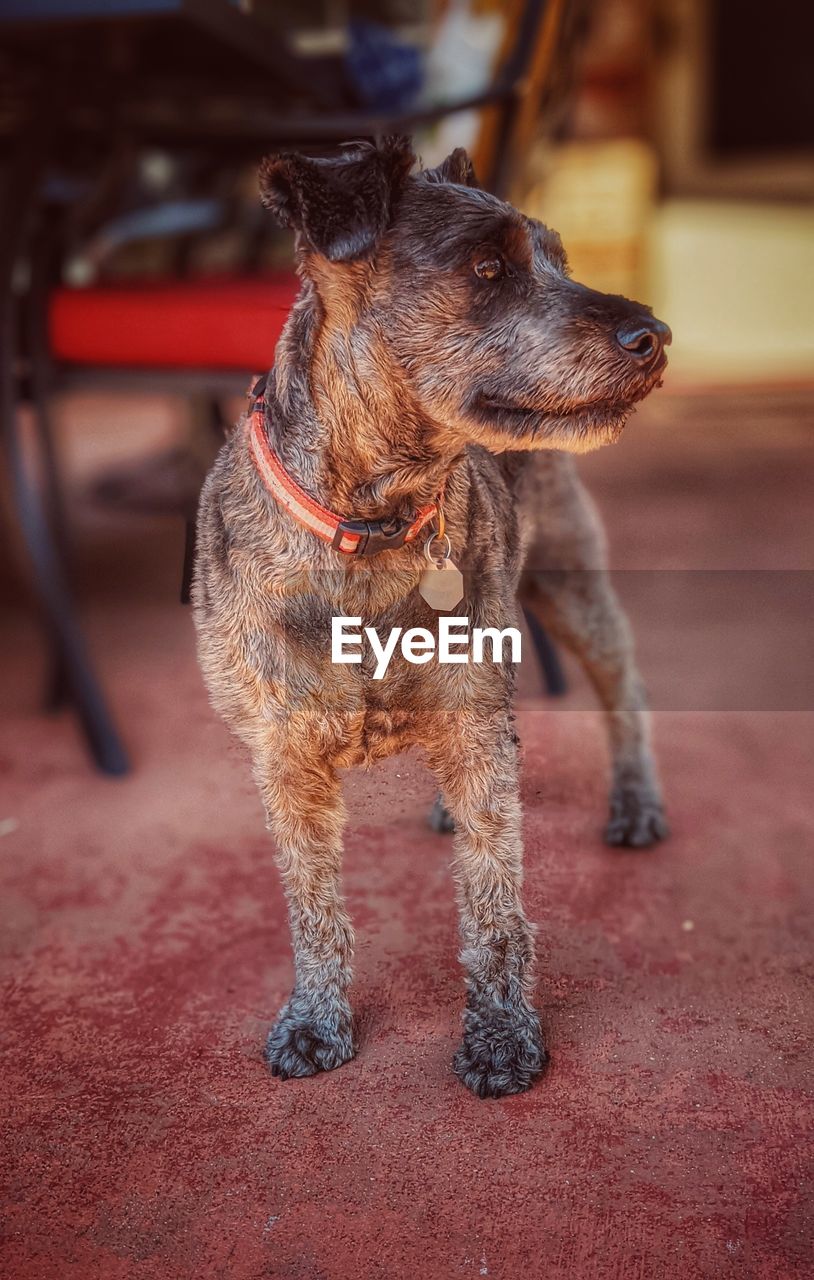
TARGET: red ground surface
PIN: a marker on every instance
(144, 946)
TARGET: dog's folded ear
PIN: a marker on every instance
(456, 168)
(342, 205)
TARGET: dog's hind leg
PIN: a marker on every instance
(502, 1050)
(580, 609)
(566, 584)
(302, 798)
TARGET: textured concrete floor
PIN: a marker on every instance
(144, 948)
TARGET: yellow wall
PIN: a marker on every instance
(735, 280)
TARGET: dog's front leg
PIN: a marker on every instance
(502, 1050)
(302, 798)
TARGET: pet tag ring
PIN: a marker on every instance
(438, 560)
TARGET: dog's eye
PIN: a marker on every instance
(489, 268)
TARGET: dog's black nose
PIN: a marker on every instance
(644, 339)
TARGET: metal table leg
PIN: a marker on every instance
(547, 655)
(19, 203)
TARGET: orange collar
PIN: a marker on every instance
(354, 537)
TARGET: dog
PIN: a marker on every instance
(437, 373)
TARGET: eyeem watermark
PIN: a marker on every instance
(456, 643)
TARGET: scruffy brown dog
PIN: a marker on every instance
(437, 340)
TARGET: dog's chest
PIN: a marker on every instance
(373, 699)
(403, 710)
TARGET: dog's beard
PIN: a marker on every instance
(572, 433)
(579, 428)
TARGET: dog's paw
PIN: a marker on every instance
(440, 818)
(500, 1054)
(299, 1045)
(636, 818)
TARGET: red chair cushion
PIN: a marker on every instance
(213, 324)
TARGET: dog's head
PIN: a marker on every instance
(472, 299)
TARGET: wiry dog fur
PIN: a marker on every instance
(437, 340)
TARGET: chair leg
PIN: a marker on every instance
(49, 575)
(550, 665)
(35, 310)
(72, 669)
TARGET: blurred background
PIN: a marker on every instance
(143, 937)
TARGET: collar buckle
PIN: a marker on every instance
(374, 535)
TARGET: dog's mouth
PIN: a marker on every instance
(528, 413)
(513, 413)
(600, 413)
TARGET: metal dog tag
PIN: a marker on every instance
(442, 584)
